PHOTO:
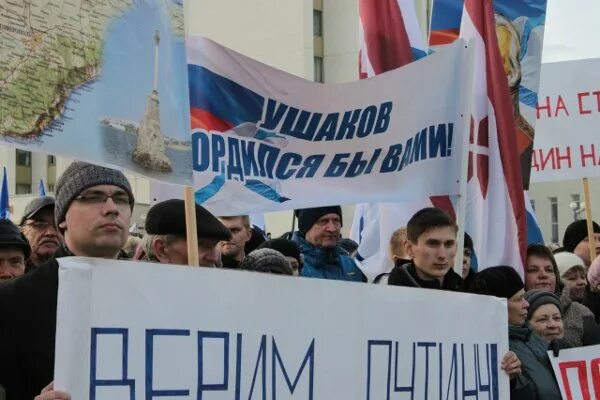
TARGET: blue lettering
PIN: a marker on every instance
(337, 166)
(234, 167)
(406, 157)
(438, 141)
(311, 166)
(217, 150)
(200, 151)
(122, 380)
(370, 345)
(419, 149)
(327, 131)
(211, 387)
(267, 155)
(348, 125)
(273, 114)
(367, 120)
(150, 392)
(383, 118)
(248, 160)
(299, 128)
(374, 159)
(283, 168)
(392, 159)
(308, 358)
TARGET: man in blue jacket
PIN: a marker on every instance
(318, 238)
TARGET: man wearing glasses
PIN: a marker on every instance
(40, 230)
(92, 210)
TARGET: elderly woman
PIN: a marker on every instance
(572, 271)
(545, 314)
(536, 381)
(541, 272)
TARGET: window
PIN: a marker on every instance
(51, 188)
(317, 23)
(23, 158)
(23, 188)
(554, 219)
(51, 161)
(532, 202)
(318, 65)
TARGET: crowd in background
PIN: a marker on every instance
(556, 306)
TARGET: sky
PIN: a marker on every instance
(571, 30)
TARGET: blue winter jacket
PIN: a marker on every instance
(327, 262)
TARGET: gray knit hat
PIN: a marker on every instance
(81, 175)
(267, 260)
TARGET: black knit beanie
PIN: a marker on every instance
(80, 176)
(537, 298)
(497, 281)
(576, 232)
(308, 216)
(284, 246)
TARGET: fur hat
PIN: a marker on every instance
(285, 247)
(168, 218)
(575, 233)
(537, 298)
(497, 281)
(80, 176)
(267, 260)
(566, 260)
(308, 216)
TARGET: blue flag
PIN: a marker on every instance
(4, 210)
(41, 188)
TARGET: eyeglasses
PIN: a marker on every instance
(41, 225)
(120, 199)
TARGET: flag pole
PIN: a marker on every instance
(588, 217)
(191, 231)
(466, 117)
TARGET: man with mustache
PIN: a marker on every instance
(40, 230)
(318, 238)
(92, 211)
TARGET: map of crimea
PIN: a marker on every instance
(48, 48)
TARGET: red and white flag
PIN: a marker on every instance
(495, 217)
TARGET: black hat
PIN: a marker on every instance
(11, 236)
(468, 242)
(538, 297)
(308, 216)
(168, 218)
(497, 281)
(284, 246)
(267, 260)
(36, 205)
(576, 232)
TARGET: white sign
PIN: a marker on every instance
(578, 372)
(567, 140)
(265, 140)
(130, 330)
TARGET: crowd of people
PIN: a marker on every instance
(556, 306)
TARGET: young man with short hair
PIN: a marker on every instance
(233, 249)
(431, 245)
(93, 209)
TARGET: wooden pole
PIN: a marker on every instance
(588, 217)
(191, 231)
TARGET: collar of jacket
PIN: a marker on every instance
(452, 281)
(63, 251)
(317, 255)
(519, 332)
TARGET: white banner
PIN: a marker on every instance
(130, 330)
(567, 144)
(578, 372)
(265, 140)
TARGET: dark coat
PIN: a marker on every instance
(592, 301)
(406, 275)
(537, 381)
(27, 331)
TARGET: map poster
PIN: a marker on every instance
(101, 81)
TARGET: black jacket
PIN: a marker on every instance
(27, 331)
(406, 275)
(592, 301)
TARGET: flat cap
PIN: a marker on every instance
(168, 218)
(36, 205)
